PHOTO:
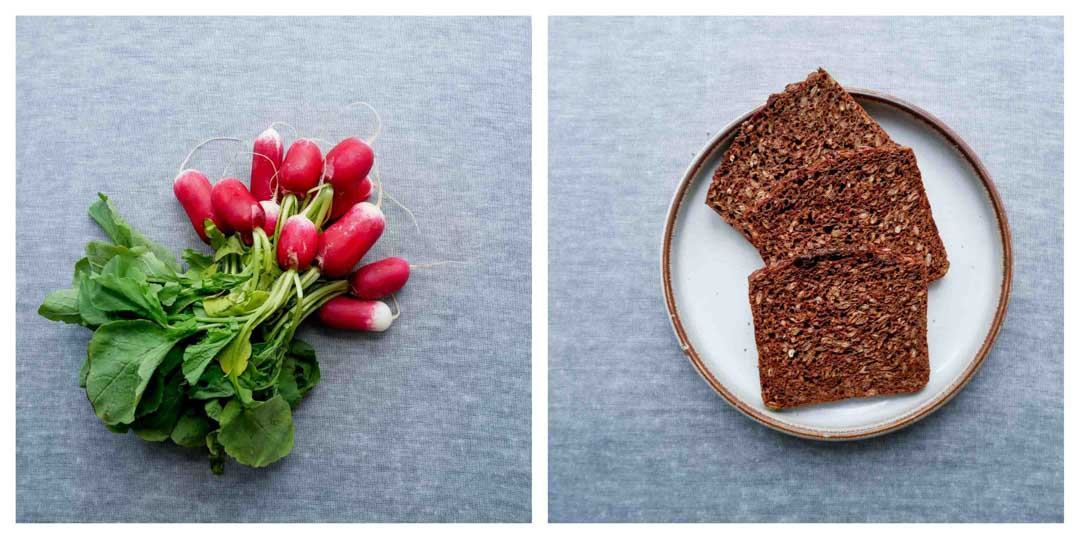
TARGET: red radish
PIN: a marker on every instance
(350, 196)
(192, 189)
(379, 279)
(302, 167)
(235, 207)
(346, 241)
(348, 163)
(265, 162)
(270, 211)
(298, 242)
(356, 314)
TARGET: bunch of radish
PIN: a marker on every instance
(316, 213)
(208, 354)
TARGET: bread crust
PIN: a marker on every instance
(838, 324)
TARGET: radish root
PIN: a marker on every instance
(183, 166)
(237, 153)
(295, 132)
(323, 175)
(407, 210)
(378, 119)
(275, 185)
(393, 297)
(322, 140)
(378, 201)
(439, 263)
(378, 182)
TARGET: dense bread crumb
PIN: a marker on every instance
(871, 197)
(805, 123)
(839, 324)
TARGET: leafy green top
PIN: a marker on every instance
(204, 357)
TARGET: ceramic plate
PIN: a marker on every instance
(705, 265)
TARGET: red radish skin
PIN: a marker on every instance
(270, 213)
(235, 207)
(356, 314)
(302, 167)
(192, 189)
(298, 243)
(379, 279)
(268, 151)
(350, 196)
(346, 241)
(348, 163)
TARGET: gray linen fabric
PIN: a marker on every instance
(427, 422)
(635, 433)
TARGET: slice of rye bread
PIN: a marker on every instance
(839, 324)
(872, 197)
(796, 128)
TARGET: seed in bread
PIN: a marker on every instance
(840, 324)
(806, 122)
(872, 197)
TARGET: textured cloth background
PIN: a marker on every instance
(427, 422)
(635, 433)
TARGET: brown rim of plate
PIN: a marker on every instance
(924, 410)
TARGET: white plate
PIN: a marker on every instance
(705, 265)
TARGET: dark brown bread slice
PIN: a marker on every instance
(796, 128)
(840, 324)
(872, 197)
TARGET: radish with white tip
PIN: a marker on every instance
(298, 242)
(356, 314)
(346, 241)
(271, 210)
(267, 153)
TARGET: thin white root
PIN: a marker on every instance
(235, 154)
(228, 165)
(407, 210)
(274, 184)
(324, 141)
(393, 297)
(323, 174)
(295, 132)
(439, 263)
(183, 165)
(378, 182)
(378, 119)
(257, 154)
